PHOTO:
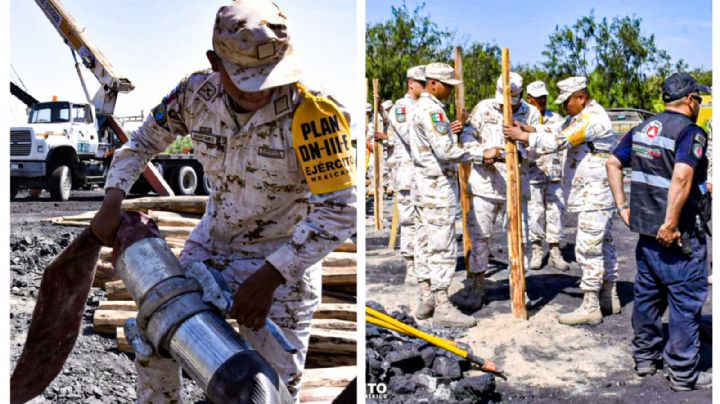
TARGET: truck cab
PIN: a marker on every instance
(59, 149)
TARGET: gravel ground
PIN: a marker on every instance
(95, 371)
(545, 361)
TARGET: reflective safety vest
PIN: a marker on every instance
(653, 159)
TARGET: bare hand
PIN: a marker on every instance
(625, 216)
(492, 154)
(381, 136)
(456, 127)
(254, 297)
(106, 222)
(525, 127)
(668, 235)
(515, 133)
(709, 187)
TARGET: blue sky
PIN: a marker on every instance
(683, 28)
(156, 43)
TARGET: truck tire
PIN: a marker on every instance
(14, 189)
(60, 184)
(185, 181)
(205, 186)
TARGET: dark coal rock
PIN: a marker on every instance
(402, 384)
(376, 306)
(409, 359)
(474, 387)
(446, 368)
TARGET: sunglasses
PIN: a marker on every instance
(696, 98)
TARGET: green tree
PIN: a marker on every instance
(408, 39)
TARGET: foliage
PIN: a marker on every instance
(624, 66)
(181, 143)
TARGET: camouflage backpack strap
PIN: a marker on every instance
(322, 142)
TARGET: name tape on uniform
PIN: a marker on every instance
(322, 142)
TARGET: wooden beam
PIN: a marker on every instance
(464, 168)
(378, 159)
(514, 207)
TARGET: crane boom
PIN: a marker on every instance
(94, 60)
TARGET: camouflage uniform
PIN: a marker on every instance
(400, 163)
(487, 183)
(588, 137)
(546, 204)
(435, 153)
(260, 210)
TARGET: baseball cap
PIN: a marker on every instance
(516, 88)
(416, 73)
(537, 89)
(679, 85)
(569, 86)
(251, 37)
(442, 72)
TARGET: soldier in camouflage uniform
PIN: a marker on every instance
(487, 181)
(546, 204)
(587, 135)
(400, 163)
(435, 152)
(263, 228)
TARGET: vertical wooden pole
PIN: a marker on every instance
(395, 224)
(514, 207)
(464, 169)
(378, 158)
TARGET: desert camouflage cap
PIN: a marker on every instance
(251, 37)
(368, 107)
(442, 72)
(516, 88)
(569, 86)
(416, 73)
(537, 89)
(387, 104)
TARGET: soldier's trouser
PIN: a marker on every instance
(435, 245)
(481, 221)
(407, 224)
(666, 278)
(545, 210)
(594, 250)
(159, 378)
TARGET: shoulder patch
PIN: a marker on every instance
(401, 114)
(160, 115)
(699, 138)
(697, 150)
(207, 91)
(321, 138)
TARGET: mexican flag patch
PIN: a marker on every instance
(439, 117)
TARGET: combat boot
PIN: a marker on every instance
(446, 315)
(609, 300)
(556, 258)
(476, 295)
(426, 305)
(588, 312)
(537, 256)
(410, 278)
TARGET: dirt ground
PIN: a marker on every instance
(95, 372)
(544, 360)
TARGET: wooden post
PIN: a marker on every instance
(514, 207)
(378, 158)
(464, 169)
(395, 224)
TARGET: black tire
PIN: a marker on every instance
(60, 184)
(185, 181)
(205, 186)
(14, 189)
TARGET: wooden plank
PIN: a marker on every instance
(348, 246)
(464, 169)
(333, 324)
(104, 272)
(116, 290)
(340, 259)
(377, 159)
(319, 394)
(182, 204)
(340, 311)
(317, 359)
(338, 342)
(107, 321)
(394, 224)
(339, 276)
(339, 376)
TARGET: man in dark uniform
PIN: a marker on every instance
(667, 153)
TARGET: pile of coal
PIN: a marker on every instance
(400, 367)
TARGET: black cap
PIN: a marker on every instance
(680, 85)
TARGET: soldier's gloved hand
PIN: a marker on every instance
(255, 296)
(668, 235)
(107, 220)
(456, 127)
